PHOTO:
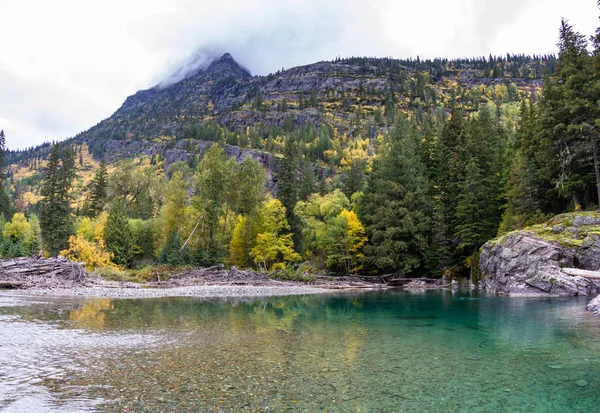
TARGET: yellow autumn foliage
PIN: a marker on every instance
(92, 254)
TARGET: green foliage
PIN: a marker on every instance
(55, 208)
(98, 192)
(118, 237)
(287, 183)
(299, 272)
(396, 208)
(274, 247)
(171, 252)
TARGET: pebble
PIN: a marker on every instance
(581, 383)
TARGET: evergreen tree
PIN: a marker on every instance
(287, 183)
(396, 207)
(118, 237)
(473, 226)
(354, 178)
(307, 184)
(171, 253)
(5, 207)
(98, 191)
(55, 208)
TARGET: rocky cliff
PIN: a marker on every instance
(324, 92)
(536, 261)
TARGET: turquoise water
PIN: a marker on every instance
(392, 351)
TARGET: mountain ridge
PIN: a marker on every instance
(341, 93)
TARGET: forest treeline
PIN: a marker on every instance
(418, 197)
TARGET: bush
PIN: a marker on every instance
(296, 272)
(91, 253)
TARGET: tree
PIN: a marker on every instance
(522, 195)
(98, 191)
(307, 184)
(316, 215)
(5, 207)
(212, 183)
(354, 178)
(473, 226)
(287, 183)
(171, 253)
(274, 247)
(131, 180)
(91, 253)
(344, 239)
(395, 207)
(55, 208)
(241, 243)
(21, 236)
(118, 237)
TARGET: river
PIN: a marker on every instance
(390, 351)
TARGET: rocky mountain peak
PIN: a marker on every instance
(226, 64)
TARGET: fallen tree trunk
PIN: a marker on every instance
(42, 273)
(594, 275)
(11, 284)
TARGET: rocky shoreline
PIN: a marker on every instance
(558, 258)
(200, 291)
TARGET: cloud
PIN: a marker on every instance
(67, 64)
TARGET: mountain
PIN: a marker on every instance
(352, 100)
(324, 92)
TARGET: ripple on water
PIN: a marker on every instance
(35, 353)
(342, 353)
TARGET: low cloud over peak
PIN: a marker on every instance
(70, 64)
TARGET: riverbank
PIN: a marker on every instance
(59, 277)
(201, 291)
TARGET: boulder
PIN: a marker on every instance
(521, 263)
(594, 306)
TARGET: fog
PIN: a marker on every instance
(68, 64)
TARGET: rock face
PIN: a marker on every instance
(185, 149)
(225, 92)
(523, 264)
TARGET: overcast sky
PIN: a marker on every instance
(67, 64)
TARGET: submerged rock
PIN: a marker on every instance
(594, 306)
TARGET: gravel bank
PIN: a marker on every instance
(202, 291)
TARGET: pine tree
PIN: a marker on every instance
(307, 184)
(5, 207)
(472, 223)
(98, 192)
(118, 237)
(171, 253)
(55, 208)
(522, 195)
(396, 208)
(287, 183)
(354, 181)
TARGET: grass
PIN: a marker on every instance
(143, 274)
(296, 272)
(570, 237)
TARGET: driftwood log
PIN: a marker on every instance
(41, 273)
(592, 275)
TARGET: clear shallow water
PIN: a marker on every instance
(378, 352)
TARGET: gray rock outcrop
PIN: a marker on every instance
(522, 264)
(594, 306)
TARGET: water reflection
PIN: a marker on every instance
(388, 351)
